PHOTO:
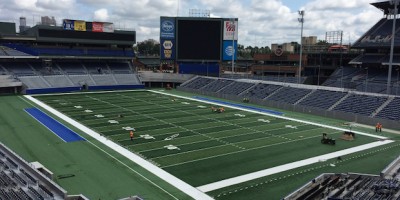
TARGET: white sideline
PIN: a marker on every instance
(181, 185)
(288, 166)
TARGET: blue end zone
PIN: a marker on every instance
(240, 106)
(56, 127)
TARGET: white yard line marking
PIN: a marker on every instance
(272, 115)
(254, 175)
(183, 186)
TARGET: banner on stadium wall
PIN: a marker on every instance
(97, 26)
(228, 51)
(79, 25)
(230, 29)
(108, 27)
(167, 49)
(167, 28)
(68, 24)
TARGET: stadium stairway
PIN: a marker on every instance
(390, 99)
(301, 99)
(338, 102)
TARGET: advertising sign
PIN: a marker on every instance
(228, 51)
(108, 27)
(97, 27)
(79, 25)
(167, 49)
(167, 28)
(230, 29)
(68, 24)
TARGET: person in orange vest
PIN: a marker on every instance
(378, 126)
(131, 135)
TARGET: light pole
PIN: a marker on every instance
(301, 20)
(397, 89)
(233, 44)
(320, 63)
(396, 3)
(366, 80)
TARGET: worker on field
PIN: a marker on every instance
(131, 135)
(380, 127)
(377, 126)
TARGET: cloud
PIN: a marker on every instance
(261, 22)
(101, 15)
(55, 4)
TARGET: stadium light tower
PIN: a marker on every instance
(395, 3)
(301, 20)
(233, 44)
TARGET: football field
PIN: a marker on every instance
(184, 137)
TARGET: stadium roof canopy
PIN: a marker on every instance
(385, 6)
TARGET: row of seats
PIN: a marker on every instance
(360, 104)
(285, 79)
(60, 51)
(71, 68)
(18, 183)
(373, 80)
(59, 81)
(349, 186)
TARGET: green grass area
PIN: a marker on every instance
(210, 146)
(99, 172)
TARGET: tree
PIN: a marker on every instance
(149, 47)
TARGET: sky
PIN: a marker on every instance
(261, 22)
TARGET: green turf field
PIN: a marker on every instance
(206, 146)
(98, 172)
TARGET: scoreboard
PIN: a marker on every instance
(198, 39)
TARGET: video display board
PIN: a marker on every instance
(199, 39)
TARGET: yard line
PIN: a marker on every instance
(221, 141)
(276, 116)
(167, 177)
(239, 151)
(254, 175)
(231, 136)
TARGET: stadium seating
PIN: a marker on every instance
(236, 88)
(18, 68)
(18, 180)
(197, 82)
(327, 99)
(348, 186)
(217, 85)
(323, 99)
(72, 67)
(127, 79)
(80, 80)
(58, 81)
(391, 111)
(289, 95)
(96, 67)
(261, 91)
(360, 104)
(284, 79)
(34, 82)
(120, 67)
(103, 79)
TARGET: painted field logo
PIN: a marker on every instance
(229, 51)
(167, 26)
